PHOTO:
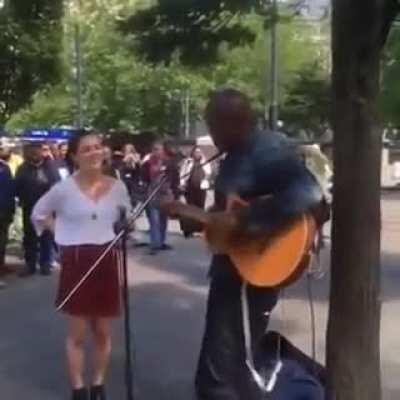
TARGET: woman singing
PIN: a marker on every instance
(86, 207)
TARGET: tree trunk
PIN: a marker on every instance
(353, 353)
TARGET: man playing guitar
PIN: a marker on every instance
(261, 186)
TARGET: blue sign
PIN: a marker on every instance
(47, 134)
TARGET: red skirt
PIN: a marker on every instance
(99, 296)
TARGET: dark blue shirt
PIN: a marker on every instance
(267, 165)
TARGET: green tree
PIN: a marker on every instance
(30, 44)
(194, 30)
(51, 106)
(390, 96)
(307, 104)
(119, 91)
(122, 91)
(246, 67)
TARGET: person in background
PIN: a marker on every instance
(194, 182)
(319, 165)
(131, 156)
(7, 209)
(153, 171)
(51, 155)
(174, 159)
(55, 151)
(94, 202)
(63, 150)
(109, 167)
(47, 152)
(33, 179)
(12, 159)
(60, 162)
(130, 169)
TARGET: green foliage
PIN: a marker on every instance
(124, 92)
(247, 67)
(119, 91)
(307, 103)
(193, 28)
(390, 93)
(50, 107)
(30, 45)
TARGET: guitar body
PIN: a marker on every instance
(274, 261)
(279, 261)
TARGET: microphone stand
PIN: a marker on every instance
(127, 319)
(121, 238)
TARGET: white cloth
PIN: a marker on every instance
(186, 169)
(78, 219)
(318, 164)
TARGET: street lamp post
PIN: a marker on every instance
(78, 75)
(75, 7)
(273, 109)
(187, 113)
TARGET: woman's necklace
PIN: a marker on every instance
(94, 215)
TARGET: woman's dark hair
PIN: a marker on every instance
(73, 145)
(76, 138)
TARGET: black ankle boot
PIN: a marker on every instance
(97, 392)
(80, 394)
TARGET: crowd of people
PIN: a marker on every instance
(25, 179)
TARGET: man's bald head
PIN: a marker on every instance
(230, 118)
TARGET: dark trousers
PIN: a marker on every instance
(222, 372)
(36, 248)
(196, 197)
(4, 227)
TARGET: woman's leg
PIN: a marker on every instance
(76, 336)
(101, 330)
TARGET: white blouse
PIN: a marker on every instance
(78, 219)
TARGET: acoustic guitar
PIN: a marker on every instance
(274, 261)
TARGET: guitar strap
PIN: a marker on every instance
(265, 385)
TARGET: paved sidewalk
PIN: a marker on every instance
(168, 304)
